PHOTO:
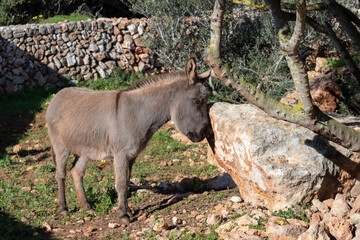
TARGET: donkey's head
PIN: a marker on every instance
(189, 110)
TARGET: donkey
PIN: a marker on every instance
(102, 124)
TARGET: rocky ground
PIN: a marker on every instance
(193, 207)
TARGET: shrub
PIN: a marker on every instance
(21, 11)
(180, 29)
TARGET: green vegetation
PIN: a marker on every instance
(294, 212)
(252, 47)
(119, 79)
(25, 101)
(61, 18)
(339, 62)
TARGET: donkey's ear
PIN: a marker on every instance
(190, 70)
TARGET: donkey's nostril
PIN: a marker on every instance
(190, 136)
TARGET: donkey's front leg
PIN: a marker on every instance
(122, 178)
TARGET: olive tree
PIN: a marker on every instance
(305, 113)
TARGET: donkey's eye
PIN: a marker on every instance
(197, 101)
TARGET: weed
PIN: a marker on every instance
(219, 195)
(236, 215)
(294, 212)
(47, 168)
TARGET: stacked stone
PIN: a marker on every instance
(36, 54)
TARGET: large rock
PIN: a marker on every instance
(275, 163)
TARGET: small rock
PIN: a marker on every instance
(289, 231)
(24, 219)
(340, 228)
(340, 208)
(87, 234)
(143, 217)
(91, 229)
(320, 206)
(316, 231)
(214, 219)
(176, 221)
(246, 220)
(297, 221)
(329, 202)
(113, 225)
(223, 182)
(47, 226)
(16, 148)
(355, 191)
(320, 64)
(355, 218)
(163, 163)
(236, 199)
(27, 189)
(160, 226)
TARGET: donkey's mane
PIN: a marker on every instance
(159, 79)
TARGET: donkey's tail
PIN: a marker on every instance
(53, 156)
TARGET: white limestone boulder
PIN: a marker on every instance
(275, 163)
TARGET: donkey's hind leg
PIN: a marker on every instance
(61, 156)
(78, 172)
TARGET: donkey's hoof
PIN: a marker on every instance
(125, 220)
(129, 212)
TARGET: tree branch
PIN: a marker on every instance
(286, 6)
(322, 125)
(337, 11)
(289, 43)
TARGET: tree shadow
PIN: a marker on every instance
(19, 108)
(17, 111)
(176, 193)
(11, 229)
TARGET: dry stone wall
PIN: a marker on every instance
(50, 55)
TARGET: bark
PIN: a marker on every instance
(289, 43)
(352, 16)
(341, 16)
(320, 123)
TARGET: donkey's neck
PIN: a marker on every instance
(154, 104)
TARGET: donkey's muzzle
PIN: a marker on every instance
(196, 137)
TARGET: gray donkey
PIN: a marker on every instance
(103, 124)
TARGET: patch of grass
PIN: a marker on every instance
(47, 168)
(219, 195)
(160, 147)
(60, 18)
(25, 101)
(119, 79)
(5, 161)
